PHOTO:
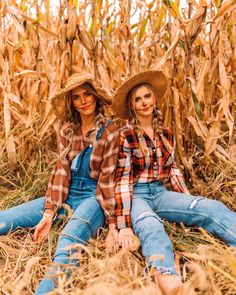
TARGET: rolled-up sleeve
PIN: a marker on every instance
(108, 152)
(124, 184)
(58, 186)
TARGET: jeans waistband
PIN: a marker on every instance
(86, 180)
(148, 184)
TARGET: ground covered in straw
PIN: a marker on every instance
(203, 261)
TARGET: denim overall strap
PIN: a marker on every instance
(100, 131)
(81, 164)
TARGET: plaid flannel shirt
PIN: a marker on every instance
(102, 165)
(142, 160)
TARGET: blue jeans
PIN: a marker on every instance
(152, 202)
(87, 218)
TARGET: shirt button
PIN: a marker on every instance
(154, 150)
(155, 163)
(90, 145)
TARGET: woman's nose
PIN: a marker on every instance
(144, 102)
(83, 100)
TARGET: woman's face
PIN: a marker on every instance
(83, 101)
(143, 102)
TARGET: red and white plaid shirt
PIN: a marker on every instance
(102, 165)
(142, 160)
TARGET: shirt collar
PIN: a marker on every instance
(160, 136)
(129, 124)
(100, 120)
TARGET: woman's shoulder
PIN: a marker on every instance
(110, 129)
(167, 132)
(109, 125)
(66, 128)
(126, 129)
(128, 133)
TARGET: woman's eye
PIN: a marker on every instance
(137, 99)
(87, 94)
(148, 95)
(76, 98)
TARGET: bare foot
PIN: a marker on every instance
(184, 289)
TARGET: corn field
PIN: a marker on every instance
(194, 43)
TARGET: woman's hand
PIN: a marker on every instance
(128, 240)
(111, 241)
(43, 228)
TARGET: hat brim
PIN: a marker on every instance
(59, 99)
(156, 78)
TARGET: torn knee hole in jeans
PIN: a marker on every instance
(195, 202)
(156, 257)
(147, 214)
(152, 269)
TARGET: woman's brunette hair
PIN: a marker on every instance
(73, 116)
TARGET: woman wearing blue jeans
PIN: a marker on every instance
(83, 177)
(145, 161)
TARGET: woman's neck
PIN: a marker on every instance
(87, 123)
(145, 122)
(146, 125)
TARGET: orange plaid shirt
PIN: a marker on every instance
(142, 160)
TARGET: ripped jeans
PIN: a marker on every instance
(152, 202)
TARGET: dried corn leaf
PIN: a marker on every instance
(72, 24)
(26, 73)
(178, 133)
(11, 151)
(142, 29)
(86, 41)
(117, 61)
(227, 6)
(212, 138)
(105, 81)
(173, 8)
(199, 127)
(18, 25)
(193, 27)
(14, 98)
(10, 144)
(200, 87)
(163, 59)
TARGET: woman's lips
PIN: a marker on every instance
(86, 107)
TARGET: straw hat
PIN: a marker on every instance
(156, 78)
(59, 99)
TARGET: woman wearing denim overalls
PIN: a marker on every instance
(83, 176)
(145, 161)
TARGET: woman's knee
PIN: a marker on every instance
(147, 222)
(209, 206)
(77, 231)
(4, 228)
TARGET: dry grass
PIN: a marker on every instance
(195, 46)
(206, 263)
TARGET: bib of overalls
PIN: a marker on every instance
(80, 166)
